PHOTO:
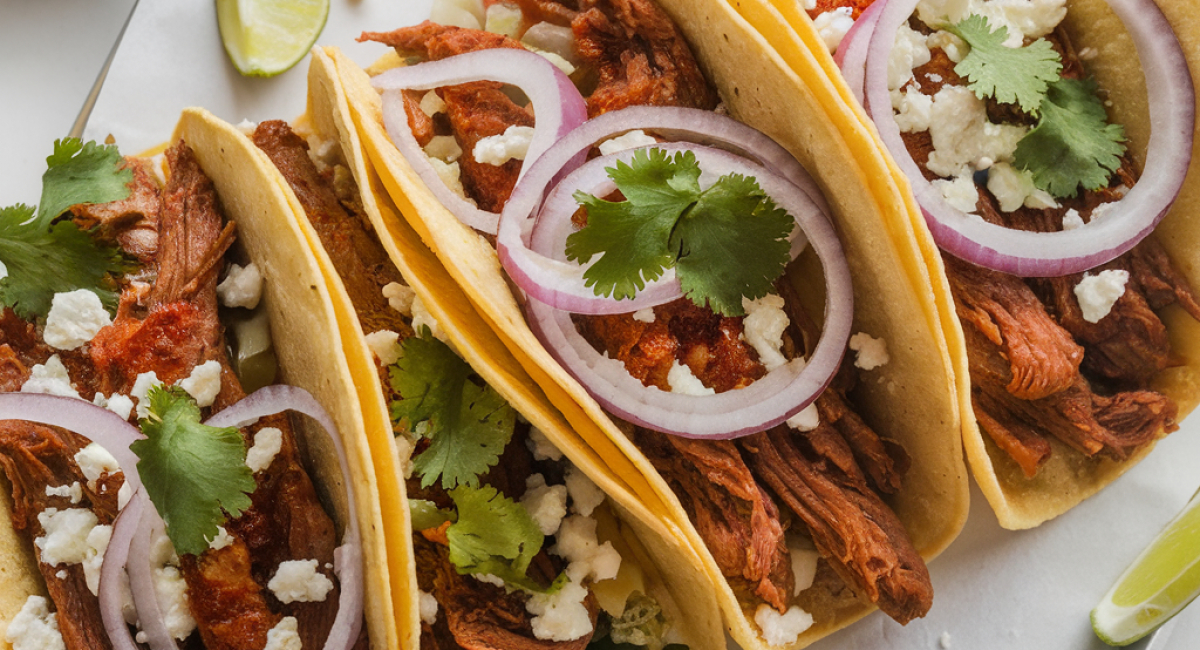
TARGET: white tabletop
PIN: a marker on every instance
(994, 589)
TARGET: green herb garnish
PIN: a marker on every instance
(1018, 75)
(495, 535)
(193, 473)
(1073, 144)
(725, 242)
(469, 423)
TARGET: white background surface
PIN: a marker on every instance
(995, 589)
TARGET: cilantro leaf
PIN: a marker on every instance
(81, 173)
(1010, 74)
(469, 424)
(42, 261)
(716, 230)
(1073, 144)
(725, 242)
(193, 473)
(494, 535)
(657, 190)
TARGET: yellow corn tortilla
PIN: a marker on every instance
(1068, 477)
(650, 549)
(302, 318)
(912, 393)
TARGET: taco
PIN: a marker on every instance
(1076, 362)
(496, 537)
(213, 295)
(637, 52)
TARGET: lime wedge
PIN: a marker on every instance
(266, 37)
(1159, 583)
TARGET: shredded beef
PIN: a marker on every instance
(639, 57)
(133, 221)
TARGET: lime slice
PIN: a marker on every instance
(1159, 583)
(266, 37)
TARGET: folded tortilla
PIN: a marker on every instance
(638, 531)
(301, 315)
(1068, 477)
(913, 392)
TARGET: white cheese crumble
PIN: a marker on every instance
(833, 25)
(954, 47)
(547, 504)
(496, 150)
(490, 579)
(1098, 293)
(807, 419)
(541, 447)
(242, 286)
(560, 616)
(422, 317)
(782, 629)
(118, 403)
(576, 542)
(428, 606)
(400, 297)
(944, 641)
(284, 636)
(141, 388)
(432, 103)
(385, 345)
(585, 495)
(1014, 188)
(204, 383)
(763, 329)
(443, 147)
(682, 381)
(1072, 220)
(644, 315)
(960, 192)
(627, 140)
(65, 534)
(872, 352)
(267, 442)
(35, 627)
(221, 540)
(246, 126)
(913, 110)
(908, 52)
(299, 581)
(963, 138)
(74, 319)
(1023, 18)
(50, 378)
(93, 557)
(74, 491)
(171, 590)
(95, 461)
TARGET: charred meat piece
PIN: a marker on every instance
(639, 56)
(814, 474)
(432, 41)
(131, 222)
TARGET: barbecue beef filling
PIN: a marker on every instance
(741, 496)
(167, 324)
(1039, 371)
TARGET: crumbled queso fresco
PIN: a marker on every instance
(35, 627)
(74, 319)
(299, 581)
(782, 629)
(1097, 293)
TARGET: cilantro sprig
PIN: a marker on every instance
(725, 242)
(43, 257)
(495, 535)
(469, 424)
(194, 474)
(1073, 144)
(1018, 75)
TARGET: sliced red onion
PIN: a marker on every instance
(851, 54)
(347, 558)
(560, 284)
(556, 102)
(769, 401)
(1036, 254)
(112, 572)
(141, 580)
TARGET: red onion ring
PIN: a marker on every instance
(769, 401)
(556, 102)
(112, 572)
(347, 558)
(1038, 254)
(141, 581)
(560, 284)
(851, 55)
